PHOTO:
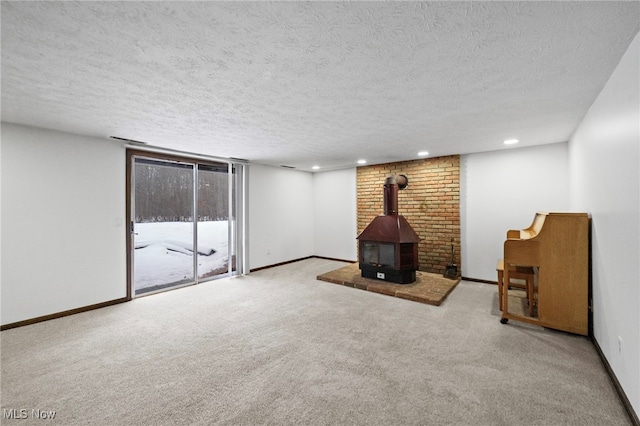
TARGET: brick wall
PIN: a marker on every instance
(431, 204)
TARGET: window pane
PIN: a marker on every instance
(163, 224)
(213, 220)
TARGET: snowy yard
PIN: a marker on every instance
(164, 253)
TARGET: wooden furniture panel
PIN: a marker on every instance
(556, 245)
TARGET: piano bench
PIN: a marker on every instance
(525, 273)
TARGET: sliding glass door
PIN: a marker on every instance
(183, 221)
(213, 220)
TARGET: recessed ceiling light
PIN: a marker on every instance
(362, 161)
(423, 153)
(315, 167)
(511, 141)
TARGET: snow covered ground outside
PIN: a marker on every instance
(164, 254)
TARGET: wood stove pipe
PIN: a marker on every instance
(391, 186)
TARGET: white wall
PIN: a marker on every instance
(536, 179)
(503, 190)
(280, 206)
(605, 158)
(63, 234)
(63, 211)
(335, 212)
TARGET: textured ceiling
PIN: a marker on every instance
(304, 83)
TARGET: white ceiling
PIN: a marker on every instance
(312, 83)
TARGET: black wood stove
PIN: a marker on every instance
(388, 247)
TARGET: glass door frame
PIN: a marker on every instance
(236, 222)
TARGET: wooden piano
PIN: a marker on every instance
(556, 247)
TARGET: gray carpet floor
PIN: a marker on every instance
(279, 347)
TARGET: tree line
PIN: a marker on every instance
(164, 193)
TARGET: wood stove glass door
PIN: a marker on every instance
(378, 254)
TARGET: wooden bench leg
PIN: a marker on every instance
(530, 289)
(503, 287)
(499, 268)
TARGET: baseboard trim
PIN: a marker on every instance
(334, 259)
(298, 260)
(279, 264)
(633, 416)
(478, 280)
(63, 314)
(126, 299)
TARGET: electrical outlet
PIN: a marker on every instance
(268, 251)
(620, 344)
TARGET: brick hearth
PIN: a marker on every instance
(428, 288)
